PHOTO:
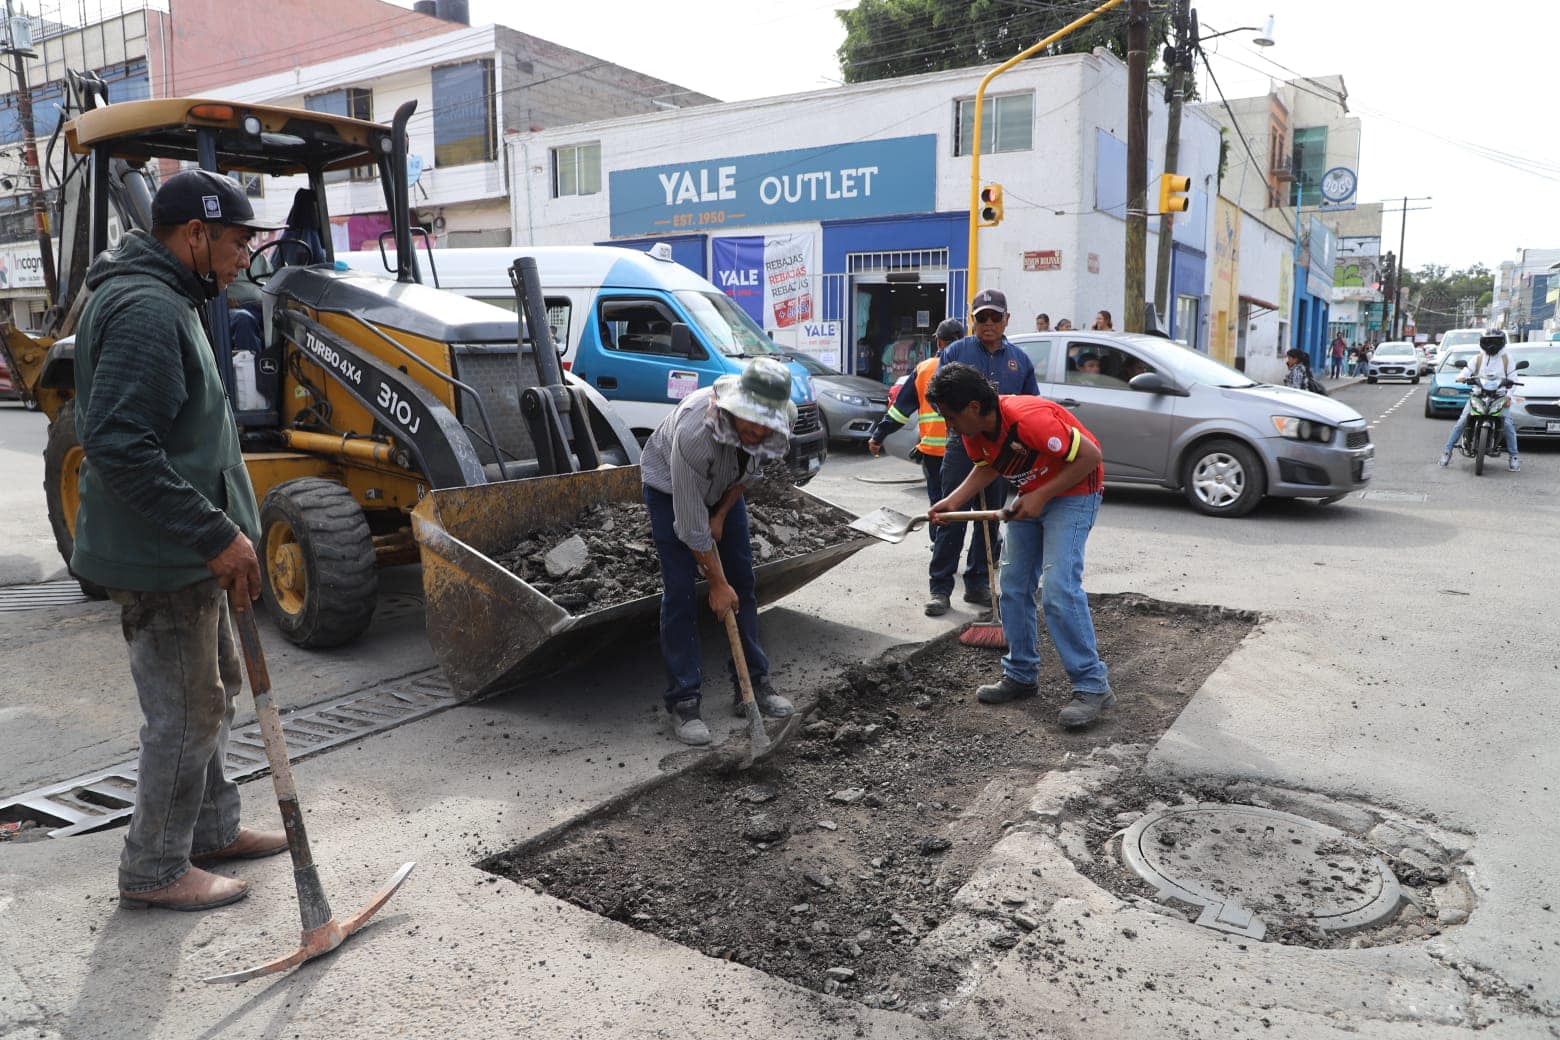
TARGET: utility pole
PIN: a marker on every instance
(1393, 306)
(1185, 41)
(30, 156)
(1137, 166)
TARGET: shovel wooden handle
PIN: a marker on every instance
(971, 514)
(734, 636)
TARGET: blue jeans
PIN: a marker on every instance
(1049, 548)
(680, 601)
(931, 468)
(1462, 424)
(186, 669)
(948, 542)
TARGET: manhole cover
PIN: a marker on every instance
(40, 594)
(1247, 866)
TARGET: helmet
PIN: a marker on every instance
(1492, 341)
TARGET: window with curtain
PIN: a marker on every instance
(463, 113)
(1007, 124)
(577, 170)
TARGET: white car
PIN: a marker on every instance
(1395, 359)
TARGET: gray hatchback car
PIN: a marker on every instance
(1171, 417)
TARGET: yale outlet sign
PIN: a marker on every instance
(835, 182)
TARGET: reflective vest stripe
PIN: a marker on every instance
(934, 431)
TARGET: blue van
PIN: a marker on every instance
(640, 328)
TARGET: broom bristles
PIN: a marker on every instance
(987, 635)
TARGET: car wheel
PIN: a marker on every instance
(1223, 478)
(1370, 379)
(1429, 411)
(1415, 381)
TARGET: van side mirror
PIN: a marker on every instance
(682, 340)
(1520, 366)
(1459, 363)
(1154, 383)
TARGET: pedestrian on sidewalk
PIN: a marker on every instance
(1009, 370)
(1060, 473)
(1339, 348)
(1042, 322)
(1102, 322)
(166, 523)
(694, 468)
(928, 451)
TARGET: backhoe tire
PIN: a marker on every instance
(1481, 447)
(317, 562)
(62, 458)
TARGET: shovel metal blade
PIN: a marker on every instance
(890, 525)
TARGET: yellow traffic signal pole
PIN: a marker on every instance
(971, 288)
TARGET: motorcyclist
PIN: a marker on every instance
(1493, 360)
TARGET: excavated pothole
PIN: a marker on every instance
(833, 863)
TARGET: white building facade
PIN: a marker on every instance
(473, 87)
(839, 219)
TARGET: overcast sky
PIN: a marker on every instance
(1455, 98)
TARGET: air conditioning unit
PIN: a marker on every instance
(1284, 172)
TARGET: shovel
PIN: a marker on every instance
(758, 737)
(322, 932)
(892, 526)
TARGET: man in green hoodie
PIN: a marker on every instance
(166, 523)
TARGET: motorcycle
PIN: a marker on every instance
(1484, 436)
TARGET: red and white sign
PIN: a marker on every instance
(1043, 260)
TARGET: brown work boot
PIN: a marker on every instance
(250, 844)
(196, 890)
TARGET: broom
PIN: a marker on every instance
(987, 634)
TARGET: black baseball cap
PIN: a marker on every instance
(989, 300)
(203, 195)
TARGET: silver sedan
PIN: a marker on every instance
(1168, 416)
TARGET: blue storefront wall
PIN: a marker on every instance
(1310, 321)
(1188, 277)
(688, 250)
(904, 234)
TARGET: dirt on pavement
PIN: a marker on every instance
(830, 861)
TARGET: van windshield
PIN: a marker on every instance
(724, 325)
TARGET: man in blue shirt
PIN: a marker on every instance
(1009, 371)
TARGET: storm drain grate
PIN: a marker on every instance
(1247, 867)
(100, 799)
(66, 593)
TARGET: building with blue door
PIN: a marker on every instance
(839, 219)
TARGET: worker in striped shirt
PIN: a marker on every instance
(694, 468)
(911, 400)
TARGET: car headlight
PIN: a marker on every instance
(854, 400)
(1298, 429)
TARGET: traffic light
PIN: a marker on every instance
(991, 205)
(1172, 193)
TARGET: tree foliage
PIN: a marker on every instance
(890, 38)
(1440, 297)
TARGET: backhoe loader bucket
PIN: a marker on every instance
(490, 629)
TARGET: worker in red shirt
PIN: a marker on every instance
(1057, 467)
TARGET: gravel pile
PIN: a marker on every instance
(606, 555)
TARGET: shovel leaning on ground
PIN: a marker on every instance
(758, 737)
(893, 526)
(322, 932)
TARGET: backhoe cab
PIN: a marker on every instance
(356, 395)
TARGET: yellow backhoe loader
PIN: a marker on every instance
(359, 398)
